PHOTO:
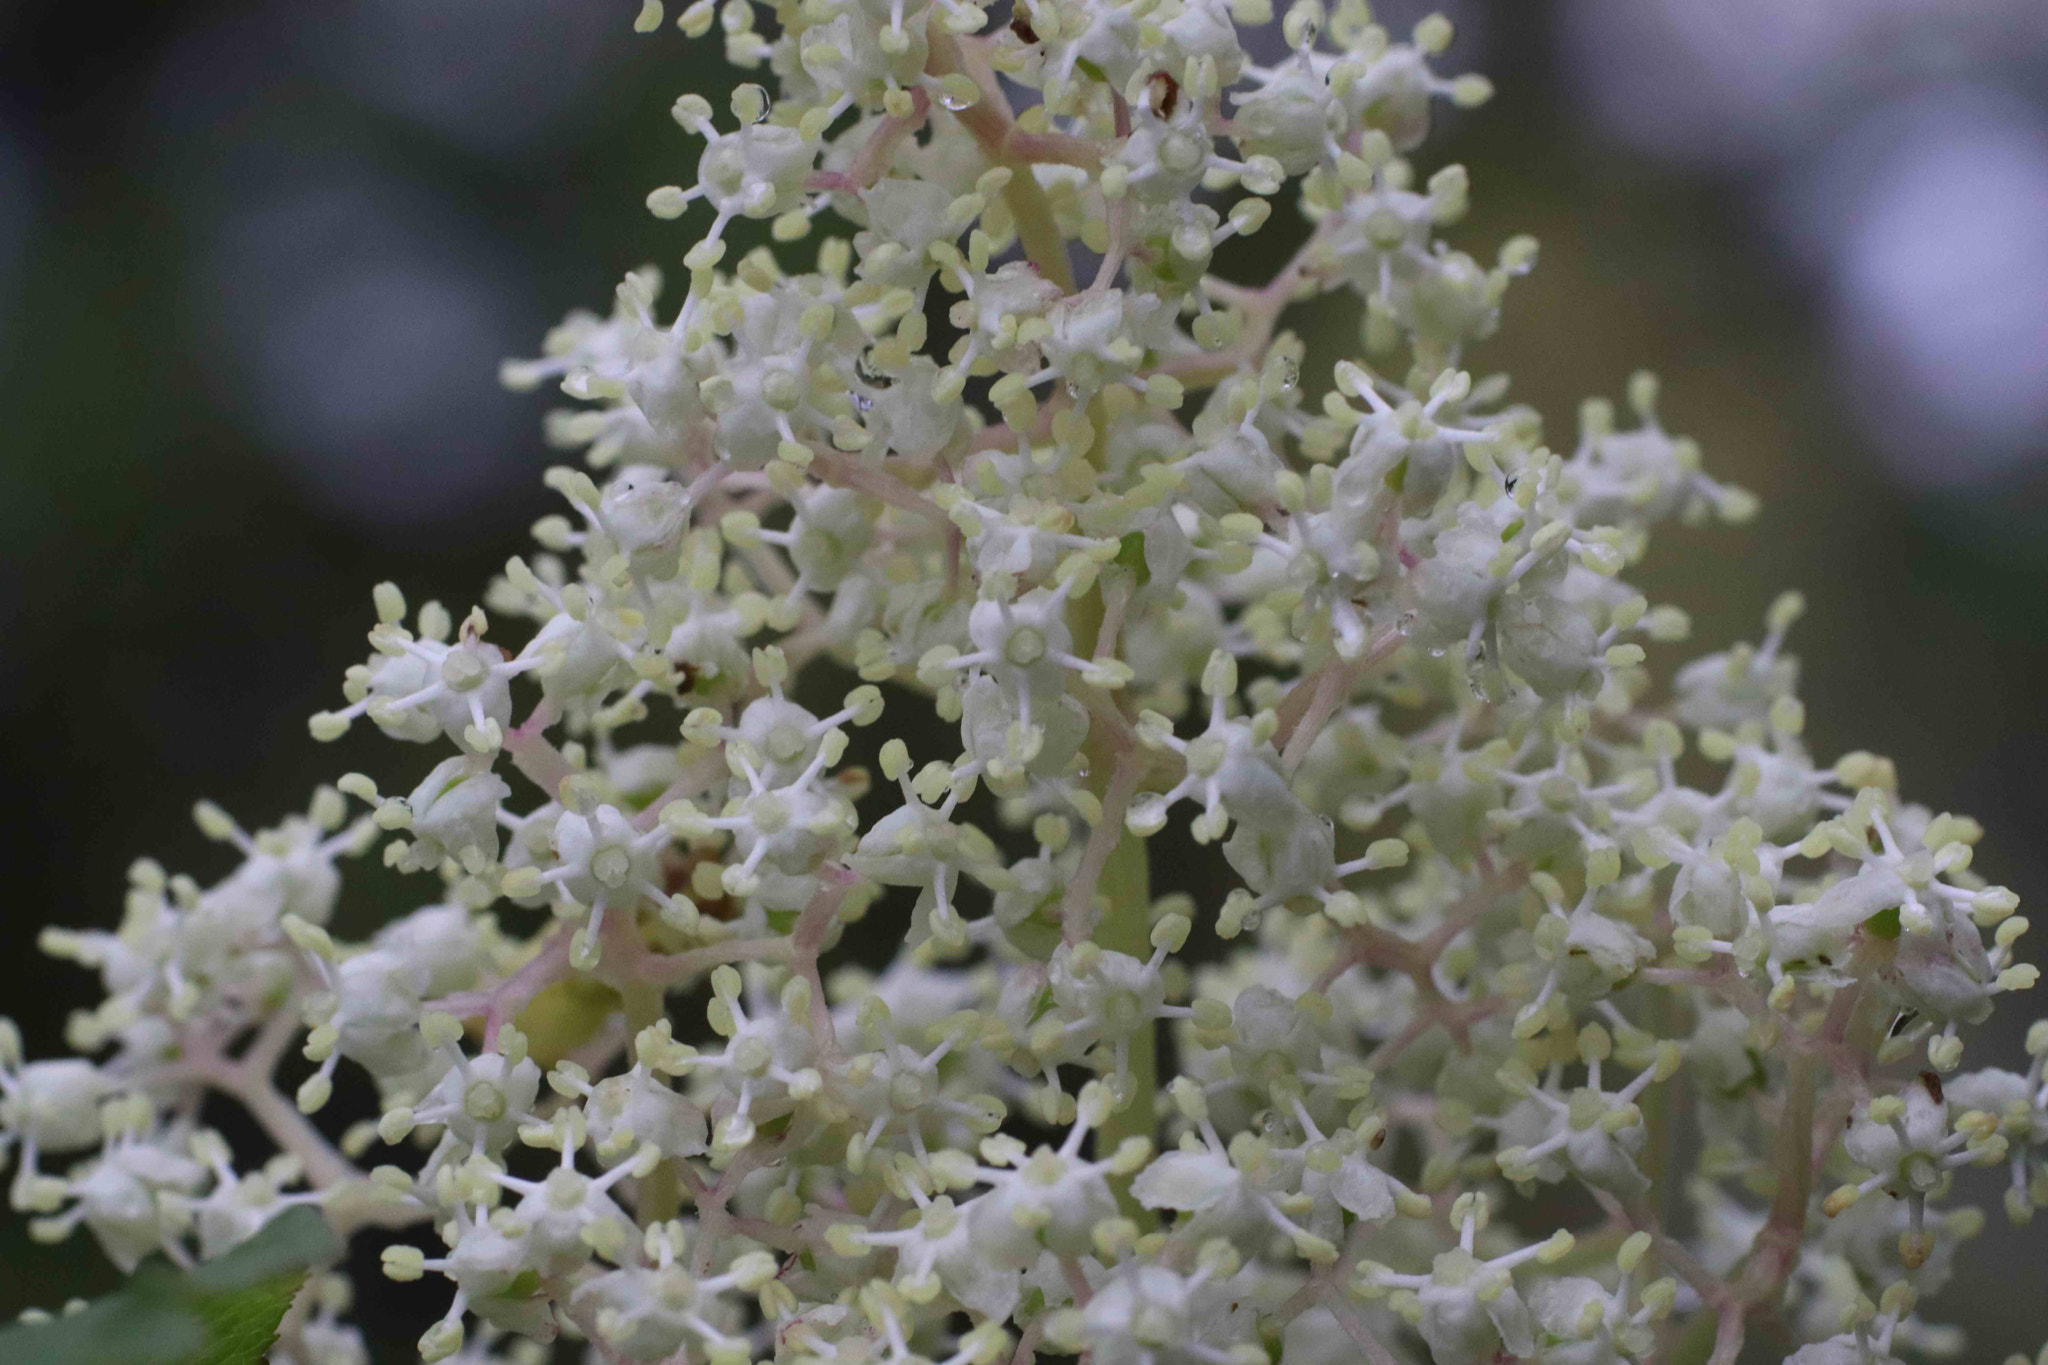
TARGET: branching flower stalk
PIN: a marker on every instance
(1501, 916)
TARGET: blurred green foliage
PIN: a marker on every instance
(222, 1312)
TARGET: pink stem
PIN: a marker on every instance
(534, 755)
(842, 472)
(501, 1002)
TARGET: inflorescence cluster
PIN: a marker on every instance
(1514, 941)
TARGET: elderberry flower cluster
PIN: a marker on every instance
(1013, 447)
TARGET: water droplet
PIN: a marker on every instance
(953, 103)
(1481, 676)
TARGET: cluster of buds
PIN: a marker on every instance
(1018, 462)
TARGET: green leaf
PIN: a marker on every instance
(224, 1312)
(241, 1327)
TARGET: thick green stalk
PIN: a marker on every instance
(993, 126)
(1125, 889)
(1126, 928)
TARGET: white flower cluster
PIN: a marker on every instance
(1502, 919)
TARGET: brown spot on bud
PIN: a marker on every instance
(678, 867)
(1165, 93)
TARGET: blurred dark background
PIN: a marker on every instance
(259, 262)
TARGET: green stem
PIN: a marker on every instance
(1126, 927)
(1660, 1115)
(993, 126)
(1125, 887)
